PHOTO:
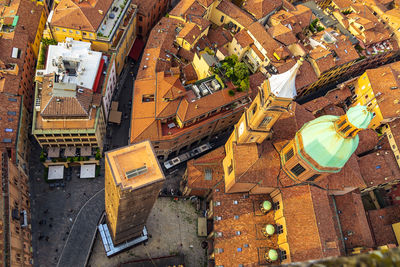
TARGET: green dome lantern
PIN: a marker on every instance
(269, 229)
(266, 206)
(272, 255)
(331, 140)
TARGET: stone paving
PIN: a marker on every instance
(78, 243)
(54, 210)
(173, 229)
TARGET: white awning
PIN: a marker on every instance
(56, 172)
(88, 171)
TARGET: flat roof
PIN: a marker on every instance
(56, 172)
(73, 54)
(137, 161)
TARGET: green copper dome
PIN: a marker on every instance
(273, 255)
(325, 145)
(359, 116)
(266, 205)
(270, 229)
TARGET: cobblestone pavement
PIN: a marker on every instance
(173, 229)
(82, 233)
(54, 210)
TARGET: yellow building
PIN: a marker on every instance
(378, 89)
(110, 25)
(133, 179)
(202, 62)
(273, 99)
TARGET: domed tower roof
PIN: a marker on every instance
(331, 140)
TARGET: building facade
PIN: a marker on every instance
(110, 26)
(15, 216)
(69, 109)
(149, 13)
(133, 179)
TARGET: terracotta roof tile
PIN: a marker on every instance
(310, 238)
(338, 96)
(196, 169)
(243, 38)
(377, 167)
(194, 10)
(235, 12)
(282, 34)
(261, 8)
(333, 110)
(189, 73)
(80, 15)
(349, 178)
(368, 141)
(381, 222)
(249, 218)
(382, 80)
(219, 37)
(263, 37)
(185, 54)
(353, 220)
(317, 104)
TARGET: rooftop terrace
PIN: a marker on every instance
(113, 18)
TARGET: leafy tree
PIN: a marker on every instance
(244, 84)
(241, 70)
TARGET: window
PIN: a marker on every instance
(235, 202)
(312, 178)
(279, 229)
(345, 129)
(64, 30)
(236, 217)
(140, 18)
(289, 154)
(246, 245)
(265, 122)
(11, 113)
(297, 170)
(283, 255)
(217, 203)
(71, 31)
(222, 19)
(57, 29)
(230, 168)
(341, 124)
(237, 232)
(12, 99)
(239, 249)
(140, 29)
(84, 33)
(9, 130)
(91, 34)
(148, 98)
(277, 205)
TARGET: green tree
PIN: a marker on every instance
(244, 84)
(241, 70)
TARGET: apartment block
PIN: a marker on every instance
(110, 26)
(69, 99)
